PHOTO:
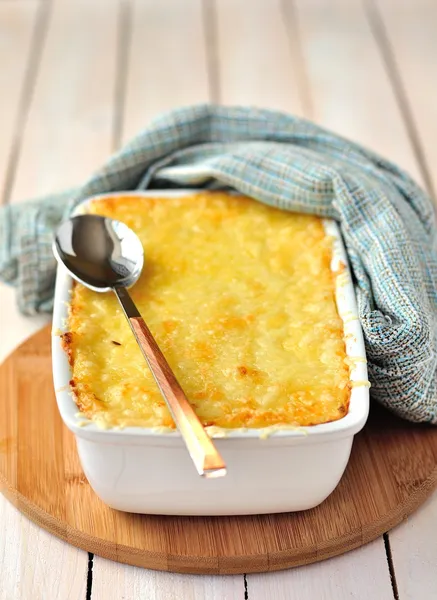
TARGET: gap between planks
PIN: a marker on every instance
(391, 566)
(210, 34)
(124, 39)
(89, 579)
(389, 61)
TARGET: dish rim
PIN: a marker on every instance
(350, 424)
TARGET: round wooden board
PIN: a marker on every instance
(393, 468)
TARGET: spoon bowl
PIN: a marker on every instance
(98, 252)
(104, 254)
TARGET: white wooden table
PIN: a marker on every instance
(80, 77)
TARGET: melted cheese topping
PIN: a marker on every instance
(240, 298)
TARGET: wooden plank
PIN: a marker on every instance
(35, 564)
(342, 578)
(68, 132)
(257, 65)
(408, 31)
(167, 64)
(15, 327)
(17, 22)
(350, 90)
(130, 583)
(414, 551)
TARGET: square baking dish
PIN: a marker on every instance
(141, 470)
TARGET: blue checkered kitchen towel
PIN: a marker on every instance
(387, 222)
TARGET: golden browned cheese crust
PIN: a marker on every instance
(240, 298)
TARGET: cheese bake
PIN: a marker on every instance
(241, 299)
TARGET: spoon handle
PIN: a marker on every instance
(205, 456)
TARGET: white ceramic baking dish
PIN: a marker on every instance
(144, 471)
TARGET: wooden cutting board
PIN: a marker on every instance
(393, 468)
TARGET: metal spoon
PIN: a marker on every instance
(104, 254)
